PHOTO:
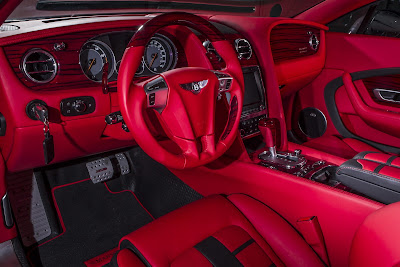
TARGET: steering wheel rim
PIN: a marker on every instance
(134, 97)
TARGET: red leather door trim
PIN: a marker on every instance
(384, 121)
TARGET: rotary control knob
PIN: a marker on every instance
(79, 106)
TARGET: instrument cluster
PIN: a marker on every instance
(103, 54)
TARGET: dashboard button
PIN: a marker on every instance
(76, 106)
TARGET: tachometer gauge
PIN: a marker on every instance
(93, 57)
(160, 54)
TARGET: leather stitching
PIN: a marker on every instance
(370, 173)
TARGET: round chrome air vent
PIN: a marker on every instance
(243, 49)
(39, 66)
(314, 42)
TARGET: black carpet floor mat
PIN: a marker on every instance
(94, 219)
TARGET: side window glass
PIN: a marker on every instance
(381, 18)
(349, 23)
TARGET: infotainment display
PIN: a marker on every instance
(254, 103)
(254, 96)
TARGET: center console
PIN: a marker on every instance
(254, 102)
(290, 162)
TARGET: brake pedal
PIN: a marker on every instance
(100, 170)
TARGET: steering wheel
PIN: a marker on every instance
(184, 99)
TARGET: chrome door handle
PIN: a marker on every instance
(387, 95)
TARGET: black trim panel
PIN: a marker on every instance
(242, 247)
(216, 253)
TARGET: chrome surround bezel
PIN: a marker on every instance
(240, 55)
(174, 52)
(109, 50)
(378, 95)
(33, 51)
(310, 42)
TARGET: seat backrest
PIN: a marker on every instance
(377, 241)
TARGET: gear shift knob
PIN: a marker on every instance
(267, 129)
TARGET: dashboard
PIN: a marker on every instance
(64, 64)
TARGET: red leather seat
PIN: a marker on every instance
(376, 242)
(217, 231)
(345, 148)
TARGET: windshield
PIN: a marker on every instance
(32, 9)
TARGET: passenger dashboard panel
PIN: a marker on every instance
(292, 41)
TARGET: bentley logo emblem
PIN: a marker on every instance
(195, 87)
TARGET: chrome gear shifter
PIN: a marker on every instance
(268, 136)
(273, 158)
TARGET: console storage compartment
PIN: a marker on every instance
(374, 174)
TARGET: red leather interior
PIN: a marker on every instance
(317, 153)
(172, 237)
(282, 238)
(379, 119)
(295, 68)
(368, 165)
(342, 147)
(127, 258)
(355, 54)
(293, 198)
(376, 241)
(390, 171)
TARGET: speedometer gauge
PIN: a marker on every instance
(160, 55)
(93, 58)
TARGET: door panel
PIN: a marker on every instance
(356, 110)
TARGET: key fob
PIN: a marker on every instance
(48, 148)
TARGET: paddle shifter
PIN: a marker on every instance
(268, 132)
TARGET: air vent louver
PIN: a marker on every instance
(243, 49)
(314, 42)
(39, 66)
(210, 49)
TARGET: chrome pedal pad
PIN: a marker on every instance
(100, 170)
(123, 163)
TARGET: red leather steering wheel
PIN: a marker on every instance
(184, 98)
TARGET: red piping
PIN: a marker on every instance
(133, 195)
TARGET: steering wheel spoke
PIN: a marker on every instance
(156, 93)
(225, 81)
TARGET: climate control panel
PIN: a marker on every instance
(249, 125)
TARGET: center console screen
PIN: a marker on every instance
(254, 102)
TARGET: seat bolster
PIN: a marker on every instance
(376, 242)
(163, 240)
(359, 146)
(345, 148)
(126, 257)
(282, 238)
